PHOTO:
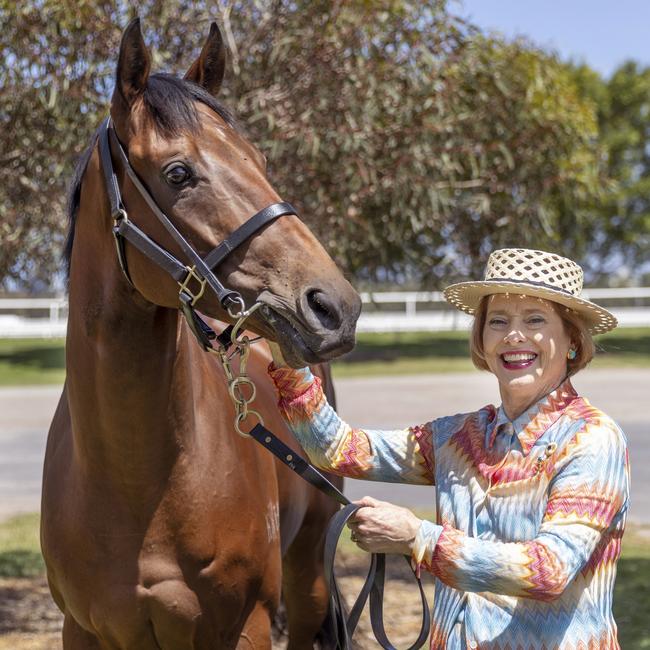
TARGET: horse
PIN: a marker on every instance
(161, 527)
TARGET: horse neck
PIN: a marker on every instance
(127, 363)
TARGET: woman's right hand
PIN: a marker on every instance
(276, 353)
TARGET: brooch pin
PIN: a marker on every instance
(548, 452)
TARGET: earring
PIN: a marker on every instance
(571, 354)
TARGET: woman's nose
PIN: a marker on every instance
(514, 336)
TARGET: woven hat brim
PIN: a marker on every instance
(466, 296)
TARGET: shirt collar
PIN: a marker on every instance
(534, 422)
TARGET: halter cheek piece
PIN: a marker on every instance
(192, 278)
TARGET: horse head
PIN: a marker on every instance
(209, 179)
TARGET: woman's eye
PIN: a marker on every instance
(497, 322)
(177, 174)
(536, 320)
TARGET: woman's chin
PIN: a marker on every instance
(520, 382)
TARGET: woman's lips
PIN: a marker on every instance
(517, 360)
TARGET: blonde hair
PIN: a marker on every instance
(574, 326)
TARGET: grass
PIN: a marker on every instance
(632, 590)
(42, 361)
(32, 361)
(433, 352)
(20, 549)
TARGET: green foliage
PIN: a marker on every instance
(622, 219)
(411, 143)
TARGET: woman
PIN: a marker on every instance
(531, 497)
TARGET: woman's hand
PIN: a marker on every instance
(381, 527)
(276, 354)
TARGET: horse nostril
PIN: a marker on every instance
(323, 308)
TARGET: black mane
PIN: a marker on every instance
(171, 104)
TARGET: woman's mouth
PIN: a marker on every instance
(518, 360)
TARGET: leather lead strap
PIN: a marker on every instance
(373, 587)
(295, 462)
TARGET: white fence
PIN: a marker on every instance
(387, 311)
(421, 311)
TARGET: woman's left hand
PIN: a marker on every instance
(381, 527)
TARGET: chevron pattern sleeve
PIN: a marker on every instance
(400, 455)
(580, 531)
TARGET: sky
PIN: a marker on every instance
(601, 33)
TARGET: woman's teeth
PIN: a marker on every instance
(514, 357)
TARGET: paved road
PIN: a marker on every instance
(376, 402)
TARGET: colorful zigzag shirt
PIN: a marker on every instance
(530, 513)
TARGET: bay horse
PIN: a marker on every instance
(161, 527)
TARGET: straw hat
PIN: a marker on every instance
(532, 273)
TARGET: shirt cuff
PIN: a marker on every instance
(424, 545)
(291, 383)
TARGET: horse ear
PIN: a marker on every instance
(133, 64)
(209, 68)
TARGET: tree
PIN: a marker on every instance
(621, 219)
(411, 143)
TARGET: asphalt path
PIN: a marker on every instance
(377, 402)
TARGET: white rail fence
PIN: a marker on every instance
(386, 311)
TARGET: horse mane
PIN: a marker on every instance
(171, 103)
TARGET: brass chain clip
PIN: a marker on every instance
(241, 388)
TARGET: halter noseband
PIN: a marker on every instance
(200, 271)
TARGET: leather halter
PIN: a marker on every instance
(200, 271)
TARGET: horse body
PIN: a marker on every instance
(161, 527)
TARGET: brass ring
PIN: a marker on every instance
(241, 417)
(236, 384)
(242, 311)
(241, 317)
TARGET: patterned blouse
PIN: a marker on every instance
(530, 513)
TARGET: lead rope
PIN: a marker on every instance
(242, 391)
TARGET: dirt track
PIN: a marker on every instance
(29, 620)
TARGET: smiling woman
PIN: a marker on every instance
(531, 497)
(529, 344)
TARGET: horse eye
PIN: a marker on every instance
(177, 174)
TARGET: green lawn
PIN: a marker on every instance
(42, 361)
(31, 361)
(632, 590)
(422, 352)
(20, 549)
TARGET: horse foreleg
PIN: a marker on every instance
(76, 638)
(304, 588)
(256, 634)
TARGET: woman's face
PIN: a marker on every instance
(525, 346)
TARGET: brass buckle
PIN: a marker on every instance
(184, 285)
